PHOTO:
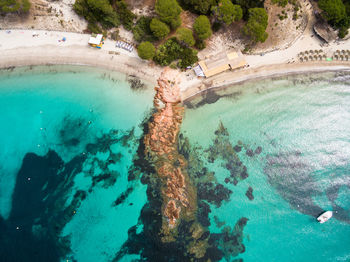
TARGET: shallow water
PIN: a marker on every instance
(266, 158)
(301, 124)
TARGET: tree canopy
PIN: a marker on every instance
(169, 12)
(227, 12)
(172, 51)
(146, 50)
(185, 36)
(256, 25)
(159, 29)
(125, 16)
(333, 10)
(202, 28)
(97, 11)
(199, 6)
(11, 6)
(142, 30)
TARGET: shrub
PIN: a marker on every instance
(169, 12)
(199, 6)
(188, 57)
(126, 17)
(146, 50)
(97, 11)
(171, 51)
(10, 6)
(185, 36)
(159, 29)
(227, 12)
(333, 10)
(142, 30)
(202, 28)
(281, 3)
(256, 25)
(200, 44)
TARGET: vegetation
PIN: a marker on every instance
(227, 12)
(159, 29)
(199, 6)
(125, 16)
(333, 10)
(256, 25)
(142, 30)
(248, 4)
(97, 12)
(11, 6)
(172, 51)
(202, 28)
(146, 50)
(281, 3)
(169, 12)
(184, 35)
(337, 14)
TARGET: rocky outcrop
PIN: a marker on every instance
(161, 147)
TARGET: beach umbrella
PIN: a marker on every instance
(336, 57)
(311, 58)
(320, 57)
(306, 59)
(306, 52)
(311, 51)
(316, 51)
(315, 56)
(301, 59)
(324, 56)
(341, 57)
(343, 51)
(320, 51)
(347, 57)
(301, 53)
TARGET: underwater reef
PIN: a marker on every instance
(181, 191)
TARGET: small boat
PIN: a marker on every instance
(324, 217)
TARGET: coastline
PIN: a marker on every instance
(76, 55)
(20, 48)
(232, 78)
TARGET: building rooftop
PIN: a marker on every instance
(95, 40)
(221, 62)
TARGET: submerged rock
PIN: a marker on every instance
(249, 193)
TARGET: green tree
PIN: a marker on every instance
(97, 11)
(169, 12)
(248, 4)
(185, 35)
(142, 30)
(11, 6)
(333, 10)
(256, 25)
(199, 6)
(126, 17)
(227, 12)
(146, 50)
(202, 28)
(159, 29)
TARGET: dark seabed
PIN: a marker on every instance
(265, 159)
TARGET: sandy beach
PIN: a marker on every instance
(21, 48)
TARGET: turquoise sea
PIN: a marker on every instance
(266, 158)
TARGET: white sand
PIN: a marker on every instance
(20, 48)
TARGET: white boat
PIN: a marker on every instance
(324, 217)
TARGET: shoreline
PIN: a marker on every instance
(230, 79)
(79, 56)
